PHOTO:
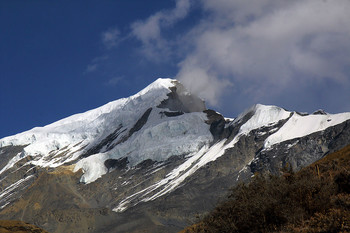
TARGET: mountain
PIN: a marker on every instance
(152, 162)
(314, 199)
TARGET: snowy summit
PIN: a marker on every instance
(163, 120)
(71, 138)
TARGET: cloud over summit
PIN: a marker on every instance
(264, 44)
(149, 31)
(254, 49)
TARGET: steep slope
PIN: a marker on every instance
(316, 199)
(151, 161)
(119, 123)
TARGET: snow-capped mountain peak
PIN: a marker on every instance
(155, 141)
(84, 123)
(261, 115)
(301, 125)
(123, 127)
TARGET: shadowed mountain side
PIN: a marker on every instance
(316, 199)
(180, 100)
(153, 162)
(54, 198)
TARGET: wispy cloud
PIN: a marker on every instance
(267, 44)
(149, 31)
(114, 81)
(91, 68)
(259, 48)
(94, 64)
(202, 81)
(110, 38)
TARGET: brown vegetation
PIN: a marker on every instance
(315, 199)
(18, 227)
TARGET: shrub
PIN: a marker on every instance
(316, 199)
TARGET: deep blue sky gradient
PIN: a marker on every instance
(47, 47)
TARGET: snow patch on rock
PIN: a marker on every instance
(158, 140)
(263, 115)
(299, 126)
(84, 128)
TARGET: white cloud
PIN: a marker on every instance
(95, 64)
(114, 81)
(148, 31)
(268, 44)
(242, 11)
(110, 38)
(201, 82)
(91, 68)
(259, 48)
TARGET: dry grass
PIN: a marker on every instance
(64, 170)
(316, 199)
(7, 226)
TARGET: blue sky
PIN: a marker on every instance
(58, 58)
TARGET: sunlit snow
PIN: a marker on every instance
(298, 126)
(264, 115)
(159, 138)
(83, 129)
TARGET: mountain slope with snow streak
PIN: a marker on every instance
(65, 140)
(160, 151)
(85, 127)
(299, 126)
(261, 116)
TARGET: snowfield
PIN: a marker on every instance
(299, 126)
(158, 138)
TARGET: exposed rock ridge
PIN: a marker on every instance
(180, 100)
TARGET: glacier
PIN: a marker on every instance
(66, 140)
(153, 125)
(299, 126)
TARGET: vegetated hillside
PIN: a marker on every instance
(18, 227)
(315, 199)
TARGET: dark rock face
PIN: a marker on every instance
(7, 153)
(19, 171)
(217, 125)
(180, 100)
(106, 142)
(340, 135)
(141, 122)
(116, 163)
(319, 112)
(58, 202)
(301, 152)
(209, 184)
(111, 141)
(171, 114)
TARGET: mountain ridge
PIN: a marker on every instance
(314, 199)
(148, 148)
